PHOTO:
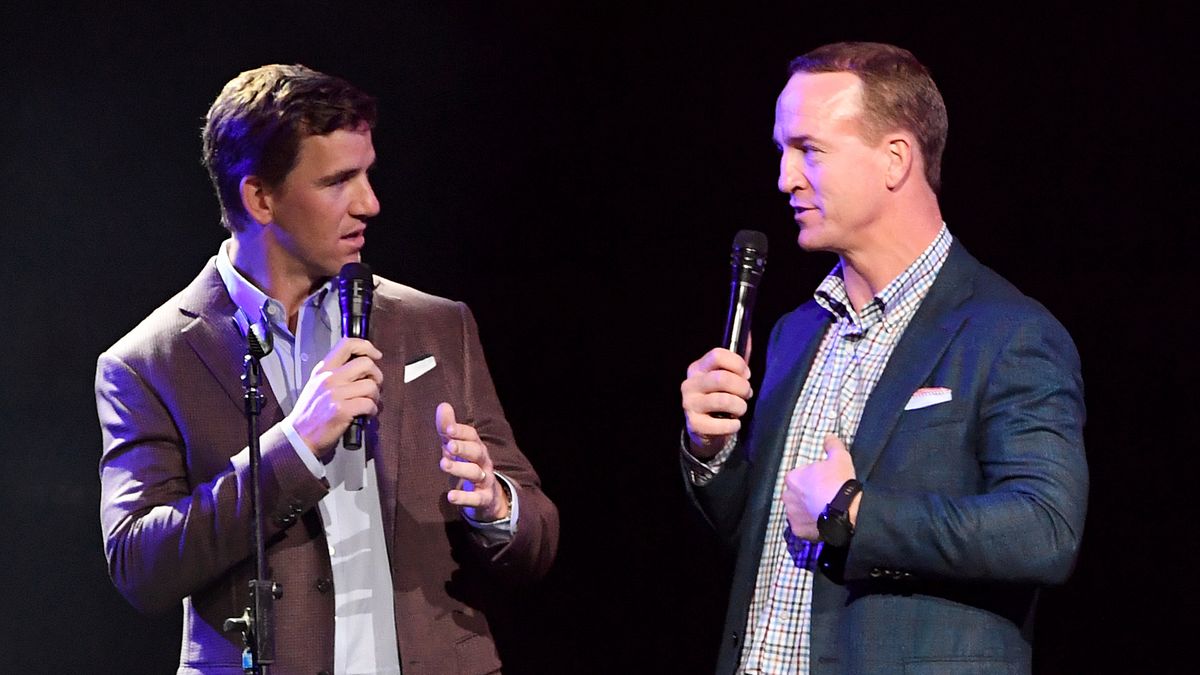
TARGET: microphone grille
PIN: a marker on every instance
(260, 340)
(355, 271)
(751, 240)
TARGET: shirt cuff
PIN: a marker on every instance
(310, 460)
(701, 472)
(500, 531)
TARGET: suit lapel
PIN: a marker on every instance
(384, 432)
(937, 321)
(791, 359)
(216, 339)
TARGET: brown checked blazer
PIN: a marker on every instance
(175, 506)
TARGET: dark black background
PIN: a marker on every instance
(575, 172)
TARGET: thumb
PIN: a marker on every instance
(444, 418)
(834, 446)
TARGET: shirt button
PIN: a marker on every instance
(304, 357)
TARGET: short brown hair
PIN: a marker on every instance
(898, 93)
(256, 123)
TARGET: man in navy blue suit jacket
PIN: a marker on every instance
(915, 467)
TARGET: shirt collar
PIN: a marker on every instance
(916, 277)
(913, 281)
(252, 303)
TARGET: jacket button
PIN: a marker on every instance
(733, 639)
(323, 585)
(323, 672)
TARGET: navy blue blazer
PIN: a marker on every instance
(968, 506)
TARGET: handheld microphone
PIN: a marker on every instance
(356, 288)
(749, 260)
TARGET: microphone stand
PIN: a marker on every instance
(257, 622)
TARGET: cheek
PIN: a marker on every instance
(317, 218)
(823, 175)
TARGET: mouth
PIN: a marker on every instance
(355, 238)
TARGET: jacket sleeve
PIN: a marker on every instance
(723, 501)
(166, 534)
(534, 544)
(1020, 519)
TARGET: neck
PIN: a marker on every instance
(892, 245)
(255, 262)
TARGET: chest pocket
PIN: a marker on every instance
(926, 447)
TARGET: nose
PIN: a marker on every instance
(791, 175)
(366, 204)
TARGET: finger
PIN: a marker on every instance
(462, 432)
(468, 471)
(467, 451)
(791, 482)
(701, 424)
(475, 498)
(724, 359)
(449, 428)
(834, 446)
(347, 409)
(720, 359)
(357, 389)
(359, 368)
(726, 381)
(443, 419)
(720, 402)
(348, 348)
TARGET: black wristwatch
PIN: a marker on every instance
(834, 522)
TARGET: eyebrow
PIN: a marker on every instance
(796, 140)
(339, 176)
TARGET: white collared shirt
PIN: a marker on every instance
(364, 613)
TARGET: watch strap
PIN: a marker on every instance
(845, 496)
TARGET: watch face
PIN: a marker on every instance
(834, 530)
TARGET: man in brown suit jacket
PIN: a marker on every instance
(408, 536)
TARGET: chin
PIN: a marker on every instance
(343, 260)
(809, 241)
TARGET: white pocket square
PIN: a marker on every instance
(927, 396)
(418, 368)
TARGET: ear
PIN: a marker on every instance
(256, 199)
(901, 160)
